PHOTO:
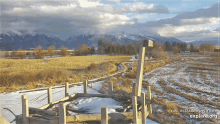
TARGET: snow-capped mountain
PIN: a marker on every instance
(14, 41)
(25, 40)
(119, 38)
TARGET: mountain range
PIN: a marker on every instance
(23, 40)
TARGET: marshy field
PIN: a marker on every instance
(186, 91)
(20, 74)
(185, 87)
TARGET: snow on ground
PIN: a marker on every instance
(120, 67)
(94, 104)
(39, 98)
(133, 58)
(177, 72)
(97, 85)
(36, 99)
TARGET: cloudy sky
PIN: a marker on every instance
(186, 20)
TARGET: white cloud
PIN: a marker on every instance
(74, 16)
(16, 26)
(85, 3)
(140, 7)
(186, 33)
(198, 21)
(90, 16)
(118, 1)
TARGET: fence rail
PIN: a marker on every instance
(32, 115)
(43, 116)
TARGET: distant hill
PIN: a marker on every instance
(11, 40)
(213, 41)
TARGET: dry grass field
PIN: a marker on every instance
(17, 74)
(189, 84)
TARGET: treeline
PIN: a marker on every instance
(202, 48)
(175, 47)
(106, 47)
(38, 52)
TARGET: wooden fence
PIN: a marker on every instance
(43, 116)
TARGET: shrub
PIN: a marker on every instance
(51, 51)
(126, 82)
(21, 55)
(92, 67)
(131, 75)
(2, 53)
(39, 53)
(170, 107)
(64, 51)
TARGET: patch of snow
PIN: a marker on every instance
(94, 104)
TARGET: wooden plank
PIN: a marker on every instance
(134, 87)
(135, 116)
(85, 83)
(49, 94)
(110, 87)
(104, 115)
(25, 109)
(66, 89)
(128, 107)
(139, 77)
(37, 120)
(143, 108)
(55, 102)
(62, 113)
(97, 117)
(41, 112)
(92, 95)
(149, 97)
(19, 119)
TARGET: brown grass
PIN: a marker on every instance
(187, 96)
(55, 71)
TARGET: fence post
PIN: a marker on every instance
(110, 87)
(49, 93)
(85, 86)
(149, 96)
(134, 103)
(62, 113)
(67, 89)
(140, 71)
(25, 109)
(143, 108)
(134, 87)
(104, 115)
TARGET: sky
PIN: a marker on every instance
(187, 20)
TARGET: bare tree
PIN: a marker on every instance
(14, 53)
(51, 51)
(21, 53)
(84, 49)
(39, 53)
(207, 47)
(176, 49)
(64, 51)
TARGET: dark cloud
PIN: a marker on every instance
(71, 18)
